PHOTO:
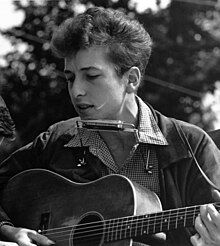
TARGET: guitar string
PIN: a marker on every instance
(171, 216)
(171, 213)
(155, 223)
(103, 232)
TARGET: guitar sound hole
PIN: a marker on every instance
(89, 231)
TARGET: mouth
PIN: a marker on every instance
(83, 107)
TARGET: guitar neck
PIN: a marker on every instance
(135, 226)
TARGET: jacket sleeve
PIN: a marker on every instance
(186, 184)
(27, 157)
(205, 175)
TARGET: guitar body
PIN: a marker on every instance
(42, 200)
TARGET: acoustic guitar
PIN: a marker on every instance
(112, 210)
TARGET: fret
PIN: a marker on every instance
(161, 222)
(142, 224)
(148, 224)
(150, 228)
(166, 221)
(115, 228)
(176, 222)
(182, 217)
(139, 229)
(190, 216)
(128, 229)
(131, 228)
(171, 224)
(109, 234)
(112, 238)
(107, 230)
(195, 213)
(185, 220)
(136, 226)
(154, 223)
(122, 225)
(145, 228)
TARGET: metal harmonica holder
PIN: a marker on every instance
(107, 125)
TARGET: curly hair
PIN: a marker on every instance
(128, 43)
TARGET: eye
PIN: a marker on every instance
(91, 76)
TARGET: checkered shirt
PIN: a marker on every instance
(141, 166)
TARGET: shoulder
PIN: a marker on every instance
(62, 131)
(65, 125)
(171, 126)
(191, 130)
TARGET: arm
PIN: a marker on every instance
(207, 223)
(27, 157)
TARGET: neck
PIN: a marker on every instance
(129, 111)
(129, 114)
(119, 144)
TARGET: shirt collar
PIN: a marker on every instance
(148, 131)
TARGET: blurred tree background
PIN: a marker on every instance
(182, 73)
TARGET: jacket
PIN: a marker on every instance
(181, 182)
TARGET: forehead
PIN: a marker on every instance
(90, 57)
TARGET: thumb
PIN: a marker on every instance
(40, 239)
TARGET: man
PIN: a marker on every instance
(105, 55)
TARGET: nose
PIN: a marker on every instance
(77, 88)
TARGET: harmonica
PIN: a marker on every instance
(106, 125)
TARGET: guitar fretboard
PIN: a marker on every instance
(134, 226)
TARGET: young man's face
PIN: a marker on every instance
(95, 89)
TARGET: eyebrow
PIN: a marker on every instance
(66, 71)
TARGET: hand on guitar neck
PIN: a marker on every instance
(207, 225)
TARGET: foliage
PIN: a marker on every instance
(186, 54)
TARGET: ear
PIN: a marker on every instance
(133, 78)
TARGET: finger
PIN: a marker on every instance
(211, 219)
(39, 239)
(205, 226)
(205, 217)
(196, 240)
(201, 228)
(214, 215)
